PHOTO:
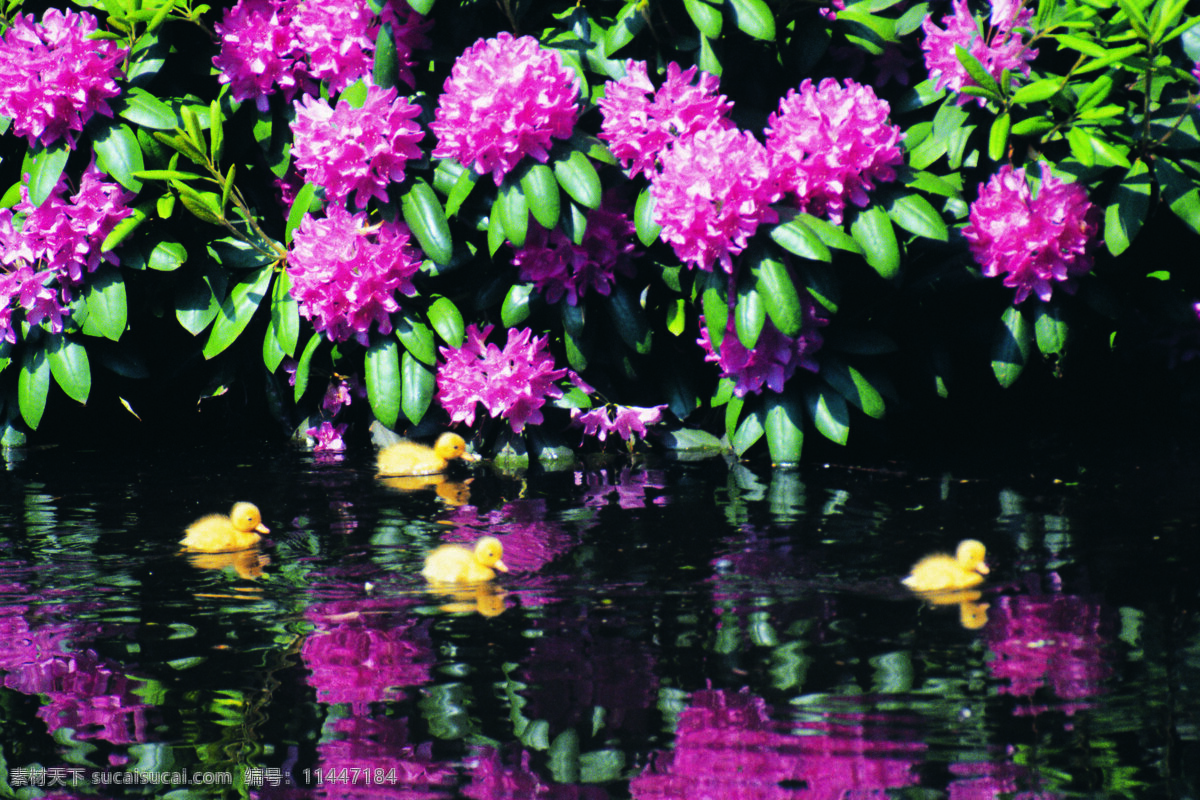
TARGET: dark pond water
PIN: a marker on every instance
(669, 630)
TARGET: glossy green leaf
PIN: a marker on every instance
(1010, 350)
(629, 319)
(733, 413)
(1181, 193)
(381, 367)
(285, 314)
(1081, 147)
(69, 366)
(676, 317)
(574, 222)
(643, 218)
(915, 214)
(417, 338)
(797, 238)
(853, 386)
(447, 321)
(829, 412)
(1127, 212)
(123, 229)
(872, 229)
(541, 194)
(977, 72)
(716, 309)
(705, 17)
(386, 67)
(426, 218)
(47, 167)
(998, 140)
(784, 426)
(236, 311)
(193, 130)
(708, 60)
(142, 108)
(1037, 91)
(198, 298)
(461, 190)
(578, 178)
(832, 235)
(628, 24)
(496, 236)
(1111, 57)
(216, 131)
(33, 384)
(300, 206)
(750, 314)
(1050, 330)
(515, 308)
(304, 366)
(119, 154)
(749, 432)
(881, 28)
(514, 212)
(106, 304)
(754, 18)
(781, 300)
(205, 206)
(167, 256)
(422, 7)
(1033, 126)
(419, 385)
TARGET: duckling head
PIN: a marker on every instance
(246, 517)
(450, 446)
(489, 551)
(970, 555)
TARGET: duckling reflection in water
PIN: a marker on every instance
(247, 563)
(410, 458)
(486, 599)
(942, 580)
(972, 614)
(217, 533)
(456, 565)
(453, 493)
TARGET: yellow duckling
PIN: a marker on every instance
(218, 533)
(941, 572)
(458, 564)
(409, 458)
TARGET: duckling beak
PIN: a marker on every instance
(982, 568)
(262, 528)
(500, 565)
(468, 457)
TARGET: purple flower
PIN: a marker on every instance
(513, 383)
(1002, 49)
(338, 39)
(326, 437)
(362, 149)
(341, 392)
(53, 78)
(505, 98)
(640, 123)
(774, 358)
(714, 191)
(830, 145)
(345, 274)
(626, 421)
(1032, 241)
(557, 266)
(258, 51)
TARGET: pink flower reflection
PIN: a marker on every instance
(380, 747)
(989, 781)
(495, 778)
(366, 650)
(1056, 641)
(530, 540)
(726, 745)
(631, 488)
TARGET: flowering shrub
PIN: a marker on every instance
(826, 219)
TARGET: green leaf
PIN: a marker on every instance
(417, 338)
(419, 385)
(69, 366)
(123, 229)
(198, 298)
(629, 319)
(1050, 329)
(1081, 147)
(541, 194)
(1037, 91)
(832, 235)
(978, 72)
(447, 321)
(119, 154)
(386, 68)
(300, 206)
(1033, 126)
(829, 413)
(381, 366)
(915, 214)
(515, 308)
(422, 7)
(237, 310)
(705, 17)
(872, 229)
(461, 191)
(1010, 350)
(578, 178)
(628, 24)
(514, 212)
(216, 131)
(850, 384)
(167, 256)
(47, 168)
(754, 18)
(33, 384)
(1180, 192)
(716, 309)
(142, 108)
(574, 222)
(797, 238)
(747, 434)
(750, 314)
(107, 310)
(780, 297)
(205, 206)
(643, 218)
(676, 316)
(304, 366)
(785, 428)
(998, 140)
(1127, 212)
(285, 314)
(426, 218)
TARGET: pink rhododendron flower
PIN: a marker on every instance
(774, 358)
(997, 51)
(640, 123)
(337, 38)
(46, 251)
(349, 149)
(557, 266)
(505, 98)
(622, 420)
(830, 145)
(53, 78)
(341, 392)
(345, 274)
(513, 383)
(258, 51)
(714, 191)
(326, 437)
(1032, 241)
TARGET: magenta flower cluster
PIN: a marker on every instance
(47, 251)
(505, 98)
(1034, 241)
(773, 359)
(1000, 49)
(53, 77)
(360, 150)
(830, 145)
(287, 45)
(558, 267)
(346, 274)
(625, 421)
(641, 123)
(512, 383)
